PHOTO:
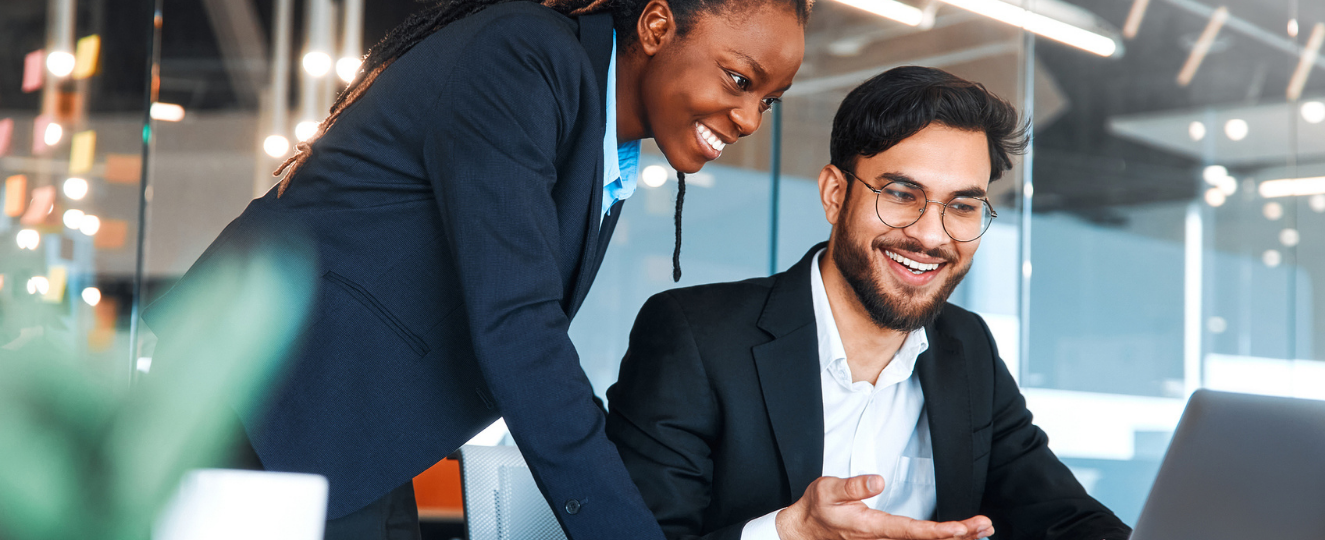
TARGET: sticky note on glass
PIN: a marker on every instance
(82, 150)
(16, 195)
(57, 278)
(123, 168)
(85, 56)
(112, 235)
(41, 208)
(6, 135)
(34, 71)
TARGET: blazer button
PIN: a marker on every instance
(572, 507)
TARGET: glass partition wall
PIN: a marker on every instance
(1161, 235)
(74, 79)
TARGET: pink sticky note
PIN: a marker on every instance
(42, 205)
(6, 135)
(34, 71)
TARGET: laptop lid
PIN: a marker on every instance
(1239, 467)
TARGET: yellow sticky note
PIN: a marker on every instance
(57, 278)
(83, 149)
(16, 195)
(85, 56)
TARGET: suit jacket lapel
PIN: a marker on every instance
(788, 368)
(595, 32)
(944, 381)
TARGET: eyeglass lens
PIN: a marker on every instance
(900, 204)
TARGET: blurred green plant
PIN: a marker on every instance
(80, 460)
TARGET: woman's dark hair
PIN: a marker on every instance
(433, 18)
(900, 102)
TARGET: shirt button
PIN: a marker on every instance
(572, 507)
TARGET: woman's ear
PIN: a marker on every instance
(655, 27)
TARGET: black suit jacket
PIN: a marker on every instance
(718, 414)
(455, 214)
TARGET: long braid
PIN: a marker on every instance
(680, 199)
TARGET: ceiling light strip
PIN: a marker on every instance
(1292, 187)
(1241, 25)
(1133, 24)
(891, 9)
(1309, 55)
(1040, 25)
(1202, 47)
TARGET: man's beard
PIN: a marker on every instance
(892, 312)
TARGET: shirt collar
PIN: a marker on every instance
(611, 164)
(833, 355)
(620, 161)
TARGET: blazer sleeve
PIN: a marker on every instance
(490, 151)
(1029, 493)
(664, 420)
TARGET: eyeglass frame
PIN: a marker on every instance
(879, 191)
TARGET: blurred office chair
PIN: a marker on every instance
(502, 502)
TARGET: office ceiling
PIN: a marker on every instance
(1102, 122)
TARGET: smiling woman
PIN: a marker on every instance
(459, 199)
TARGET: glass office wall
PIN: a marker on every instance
(1160, 236)
(73, 94)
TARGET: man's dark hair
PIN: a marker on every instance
(900, 102)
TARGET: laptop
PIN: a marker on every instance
(1241, 467)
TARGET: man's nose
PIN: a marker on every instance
(928, 230)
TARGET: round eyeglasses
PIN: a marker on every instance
(900, 204)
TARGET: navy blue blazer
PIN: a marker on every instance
(455, 212)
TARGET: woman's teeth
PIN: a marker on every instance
(713, 140)
(915, 267)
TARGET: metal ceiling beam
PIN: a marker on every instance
(243, 46)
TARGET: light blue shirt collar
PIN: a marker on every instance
(620, 161)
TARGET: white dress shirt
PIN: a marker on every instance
(876, 428)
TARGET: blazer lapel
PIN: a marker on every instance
(944, 381)
(788, 368)
(595, 32)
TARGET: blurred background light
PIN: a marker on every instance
(1313, 112)
(75, 188)
(73, 218)
(276, 145)
(1289, 237)
(1272, 258)
(91, 224)
(38, 285)
(92, 296)
(306, 129)
(654, 176)
(1236, 129)
(167, 112)
(317, 63)
(28, 239)
(1196, 130)
(54, 132)
(347, 68)
(1273, 211)
(60, 63)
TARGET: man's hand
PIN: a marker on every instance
(833, 508)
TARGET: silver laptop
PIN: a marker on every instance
(1241, 467)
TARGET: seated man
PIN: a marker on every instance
(844, 398)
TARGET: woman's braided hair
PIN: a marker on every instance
(422, 24)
